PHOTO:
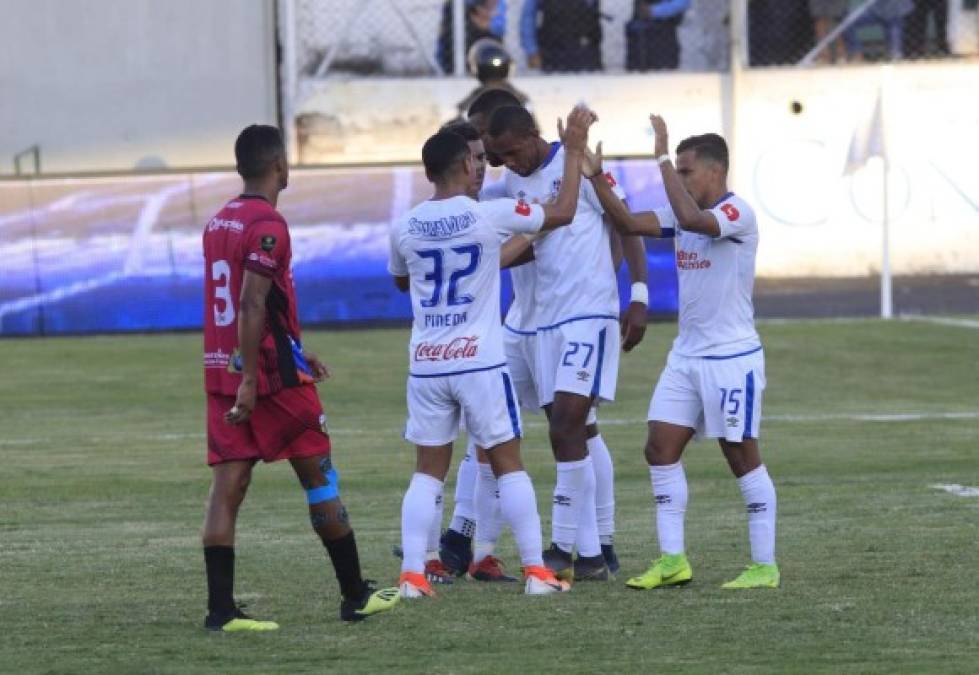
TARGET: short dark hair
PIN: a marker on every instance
(463, 128)
(443, 151)
(706, 146)
(513, 118)
(257, 148)
(491, 99)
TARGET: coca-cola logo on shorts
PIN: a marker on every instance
(458, 348)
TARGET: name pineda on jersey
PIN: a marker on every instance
(447, 226)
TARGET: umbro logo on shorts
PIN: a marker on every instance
(733, 421)
(663, 499)
(583, 376)
(562, 500)
(757, 507)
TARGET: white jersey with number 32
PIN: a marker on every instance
(716, 279)
(450, 249)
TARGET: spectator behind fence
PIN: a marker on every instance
(826, 15)
(484, 19)
(887, 14)
(651, 40)
(916, 27)
(562, 35)
(779, 31)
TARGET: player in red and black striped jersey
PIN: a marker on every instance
(261, 395)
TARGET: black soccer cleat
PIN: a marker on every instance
(591, 568)
(373, 601)
(455, 551)
(559, 562)
(612, 560)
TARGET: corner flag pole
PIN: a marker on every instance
(886, 293)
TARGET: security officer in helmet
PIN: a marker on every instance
(491, 63)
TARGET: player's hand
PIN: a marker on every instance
(574, 132)
(591, 164)
(633, 325)
(321, 371)
(244, 402)
(662, 137)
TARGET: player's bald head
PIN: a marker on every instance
(258, 150)
(443, 154)
(706, 147)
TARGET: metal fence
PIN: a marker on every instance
(417, 37)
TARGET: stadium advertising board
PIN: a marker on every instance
(124, 253)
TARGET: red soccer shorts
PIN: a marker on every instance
(285, 425)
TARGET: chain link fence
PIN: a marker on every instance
(416, 37)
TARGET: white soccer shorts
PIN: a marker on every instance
(580, 356)
(521, 358)
(485, 400)
(717, 397)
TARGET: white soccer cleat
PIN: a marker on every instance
(414, 585)
(541, 581)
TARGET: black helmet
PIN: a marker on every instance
(489, 60)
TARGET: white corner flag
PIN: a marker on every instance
(870, 140)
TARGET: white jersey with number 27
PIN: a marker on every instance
(450, 249)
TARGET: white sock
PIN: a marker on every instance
(567, 499)
(464, 512)
(488, 517)
(586, 538)
(435, 531)
(604, 488)
(518, 504)
(759, 498)
(670, 494)
(418, 510)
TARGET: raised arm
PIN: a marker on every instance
(688, 214)
(622, 219)
(575, 138)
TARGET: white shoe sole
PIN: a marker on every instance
(535, 586)
(410, 591)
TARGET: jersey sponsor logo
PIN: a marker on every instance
(731, 212)
(522, 208)
(268, 242)
(222, 224)
(690, 260)
(218, 359)
(447, 226)
(456, 349)
(610, 179)
(262, 260)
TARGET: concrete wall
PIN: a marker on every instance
(123, 84)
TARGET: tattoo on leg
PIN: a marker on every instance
(321, 519)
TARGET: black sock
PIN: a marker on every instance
(220, 564)
(346, 563)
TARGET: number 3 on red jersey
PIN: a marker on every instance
(731, 212)
(224, 308)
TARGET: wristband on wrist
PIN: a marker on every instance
(640, 293)
(663, 158)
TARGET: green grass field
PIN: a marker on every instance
(102, 485)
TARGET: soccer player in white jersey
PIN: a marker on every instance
(447, 251)
(577, 350)
(714, 377)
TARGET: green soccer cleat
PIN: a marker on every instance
(374, 601)
(237, 622)
(668, 570)
(756, 575)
